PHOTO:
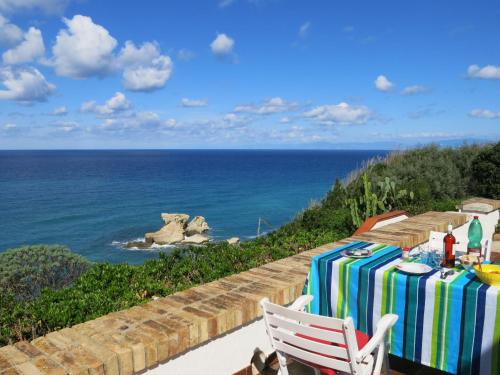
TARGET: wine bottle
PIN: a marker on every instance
(448, 256)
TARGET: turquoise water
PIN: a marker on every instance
(94, 201)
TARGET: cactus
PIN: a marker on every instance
(370, 204)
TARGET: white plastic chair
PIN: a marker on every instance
(319, 341)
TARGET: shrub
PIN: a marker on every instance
(431, 172)
(336, 197)
(485, 173)
(27, 270)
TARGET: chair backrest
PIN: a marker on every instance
(313, 339)
(436, 240)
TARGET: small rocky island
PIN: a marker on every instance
(177, 230)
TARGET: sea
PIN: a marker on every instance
(95, 201)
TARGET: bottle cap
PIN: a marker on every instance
(476, 217)
(450, 228)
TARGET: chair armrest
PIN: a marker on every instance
(383, 326)
(301, 302)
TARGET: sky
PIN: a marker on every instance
(88, 74)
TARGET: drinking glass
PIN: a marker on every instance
(437, 258)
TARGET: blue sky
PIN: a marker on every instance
(247, 73)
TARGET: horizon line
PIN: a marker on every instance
(199, 149)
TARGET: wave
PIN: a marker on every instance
(154, 247)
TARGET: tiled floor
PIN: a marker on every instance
(398, 367)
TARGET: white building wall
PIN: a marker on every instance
(222, 356)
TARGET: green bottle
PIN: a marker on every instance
(475, 236)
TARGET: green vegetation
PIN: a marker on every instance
(428, 178)
(28, 270)
(370, 204)
(485, 172)
(438, 177)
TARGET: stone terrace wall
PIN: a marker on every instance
(133, 340)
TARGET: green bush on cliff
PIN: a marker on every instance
(431, 172)
(28, 270)
(485, 173)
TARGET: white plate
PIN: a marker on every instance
(353, 254)
(414, 268)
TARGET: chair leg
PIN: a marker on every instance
(387, 369)
(282, 362)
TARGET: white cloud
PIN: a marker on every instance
(486, 72)
(298, 135)
(225, 3)
(185, 102)
(9, 33)
(285, 120)
(59, 111)
(185, 54)
(484, 113)
(83, 50)
(232, 120)
(383, 84)
(425, 111)
(25, 85)
(10, 126)
(146, 120)
(219, 125)
(88, 106)
(148, 78)
(273, 105)
(304, 29)
(222, 45)
(415, 89)
(117, 103)
(29, 49)
(66, 126)
(130, 55)
(47, 6)
(348, 29)
(145, 69)
(341, 113)
(86, 49)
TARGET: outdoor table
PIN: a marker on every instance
(452, 324)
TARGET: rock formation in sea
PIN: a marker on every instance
(171, 233)
(197, 226)
(233, 241)
(177, 229)
(195, 239)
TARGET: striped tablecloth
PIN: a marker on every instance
(452, 325)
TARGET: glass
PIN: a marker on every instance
(430, 257)
(437, 259)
